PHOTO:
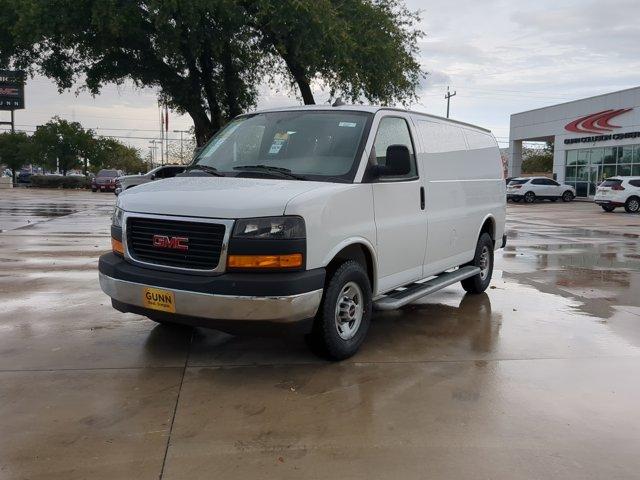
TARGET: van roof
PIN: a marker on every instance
(364, 108)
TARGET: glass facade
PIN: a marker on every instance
(585, 168)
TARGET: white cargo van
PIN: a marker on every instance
(308, 218)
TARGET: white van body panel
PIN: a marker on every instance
(462, 171)
(346, 208)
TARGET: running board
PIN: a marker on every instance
(414, 291)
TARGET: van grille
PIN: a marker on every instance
(204, 242)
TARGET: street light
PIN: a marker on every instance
(181, 132)
(153, 148)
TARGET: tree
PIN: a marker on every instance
(197, 53)
(358, 48)
(539, 160)
(110, 153)
(208, 57)
(14, 151)
(60, 144)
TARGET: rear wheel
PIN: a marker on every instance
(567, 196)
(632, 205)
(483, 259)
(529, 197)
(608, 208)
(344, 315)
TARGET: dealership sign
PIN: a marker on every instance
(599, 124)
(11, 90)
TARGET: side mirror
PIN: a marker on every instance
(153, 176)
(398, 161)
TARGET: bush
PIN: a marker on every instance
(58, 181)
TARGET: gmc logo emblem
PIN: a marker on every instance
(173, 243)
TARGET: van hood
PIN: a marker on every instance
(214, 197)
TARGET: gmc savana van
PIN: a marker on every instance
(307, 219)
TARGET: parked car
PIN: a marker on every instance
(24, 177)
(105, 180)
(531, 189)
(619, 192)
(307, 218)
(165, 171)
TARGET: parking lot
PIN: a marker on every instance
(537, 378)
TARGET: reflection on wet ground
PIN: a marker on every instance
(536, 378)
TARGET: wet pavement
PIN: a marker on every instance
(537, 378)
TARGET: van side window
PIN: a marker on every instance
(393, 131)
(634, 183)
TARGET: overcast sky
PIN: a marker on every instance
(501, 57)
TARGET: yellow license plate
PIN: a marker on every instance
(158, 299)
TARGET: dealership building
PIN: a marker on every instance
(594, 138)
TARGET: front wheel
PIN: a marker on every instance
(344, 315)
(515, 199)
(608, 208)
(632, 205)
(567, 196)
(483, 259)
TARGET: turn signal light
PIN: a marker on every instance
(293, 260)
(116, 246)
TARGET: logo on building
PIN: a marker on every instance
(596, 122)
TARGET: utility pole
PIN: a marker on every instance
(448, 98)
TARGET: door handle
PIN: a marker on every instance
(421, 198)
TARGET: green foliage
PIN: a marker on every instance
(110, 153)
(59, 181)
(360, 49)
(61, 143)
(14, 152)
(207, 58)
(539, 161)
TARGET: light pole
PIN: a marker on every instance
(181, 132)
(153, 149)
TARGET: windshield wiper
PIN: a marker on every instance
(205, 168)
(285, 172)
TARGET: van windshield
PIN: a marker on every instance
(306, 145)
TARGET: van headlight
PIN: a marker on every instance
(116, 218)
(285, 227)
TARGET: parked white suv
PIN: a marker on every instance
(308, 218)
(619, 192)
(531, 189)
(165, 171)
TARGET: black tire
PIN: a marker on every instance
(567, 196)
(479, 283)
(516, 200)
(94, 190)
(326, 339)
(632, 205)
(529, 197)
(608, 208)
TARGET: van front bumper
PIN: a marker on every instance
(215, 301)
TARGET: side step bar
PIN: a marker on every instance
(414, 291)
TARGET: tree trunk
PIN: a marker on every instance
(203, 127)
(301, 79)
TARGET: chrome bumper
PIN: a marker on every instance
(286, 309)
